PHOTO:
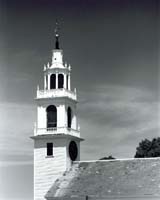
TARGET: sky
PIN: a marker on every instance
(112, 47)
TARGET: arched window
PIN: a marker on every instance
(60, 80)
(69, 117)
(53, 81)
(51, 116)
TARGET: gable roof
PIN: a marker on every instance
(119, 178)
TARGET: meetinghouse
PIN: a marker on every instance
(59, 174)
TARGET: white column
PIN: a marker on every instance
(65, 81)
(69, 81)
(49, 81)
(45, 82)
(56, 80)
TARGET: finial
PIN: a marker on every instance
(75, 90)
(79, 127)
(69, 67)
(56, 36)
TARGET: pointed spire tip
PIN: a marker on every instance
(56, 36)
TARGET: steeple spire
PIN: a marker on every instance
(56, 36)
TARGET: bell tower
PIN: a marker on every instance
(56, 133)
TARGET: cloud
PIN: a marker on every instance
(15, 163)
(114, 115)
(113, 120)
(16, 127)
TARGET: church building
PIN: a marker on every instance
(58, 172)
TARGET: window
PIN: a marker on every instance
(53, 81)
(60, 80)
(51, 116)
(49, 149)
(69, 117)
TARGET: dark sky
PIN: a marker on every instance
(112, 47)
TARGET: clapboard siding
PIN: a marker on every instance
(48, 169)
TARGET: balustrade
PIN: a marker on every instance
(56, 93)
(57, 130)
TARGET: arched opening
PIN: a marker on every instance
(46, 82)
(51, 116)
(69, 117)
(60, 80)
(67, 82)
(53, 81)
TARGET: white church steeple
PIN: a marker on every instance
(56, 135)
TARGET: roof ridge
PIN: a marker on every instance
(117, 159)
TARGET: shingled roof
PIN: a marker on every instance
(107, 179)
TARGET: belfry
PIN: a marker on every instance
(57, 132)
